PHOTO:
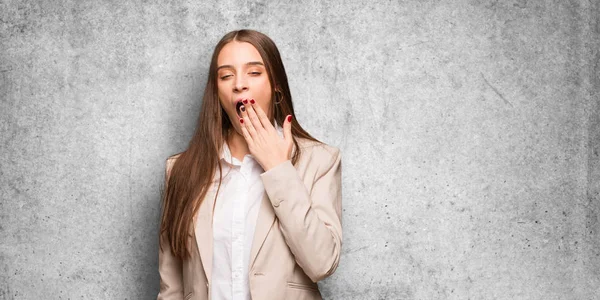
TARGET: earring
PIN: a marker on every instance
(277, 93)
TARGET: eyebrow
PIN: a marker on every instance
(252, 63)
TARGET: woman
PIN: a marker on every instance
(252, 208)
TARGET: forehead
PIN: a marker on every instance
(238, 53)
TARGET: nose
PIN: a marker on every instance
(240, 84)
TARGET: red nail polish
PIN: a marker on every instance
(242, 121)
(289, 118)
(245, 101)
(252, 101)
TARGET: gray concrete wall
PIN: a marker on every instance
(470, 134)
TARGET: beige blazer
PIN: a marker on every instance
(298, 236)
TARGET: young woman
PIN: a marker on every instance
(252, 208)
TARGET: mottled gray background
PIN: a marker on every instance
(470, 133)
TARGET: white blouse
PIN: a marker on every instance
(235, 213)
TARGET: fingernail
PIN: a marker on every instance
(242, 121)
(252, 101)
(245, 101)
(289, 118)
(242, 108)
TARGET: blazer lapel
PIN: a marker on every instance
(204, 232)
(266, 217)
(265, 220)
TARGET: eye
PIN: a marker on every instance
(255, 73)
(225, 77)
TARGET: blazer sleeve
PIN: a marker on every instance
(310, 221)
(169, 266)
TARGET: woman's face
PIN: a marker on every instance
(241, 74)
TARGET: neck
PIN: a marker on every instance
(237, 145)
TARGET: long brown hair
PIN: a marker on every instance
(194, 169)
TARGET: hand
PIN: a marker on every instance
(264, 142)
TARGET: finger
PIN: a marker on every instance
(250, 109)
(247, 123)
(245, 132)
(287, 129)
(264, 120)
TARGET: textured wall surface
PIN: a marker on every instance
(470, 134)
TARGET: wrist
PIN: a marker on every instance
(273, 164)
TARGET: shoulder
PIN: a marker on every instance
(315, 150)
(173, 157)
(171, 161)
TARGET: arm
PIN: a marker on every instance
(169, 266)
(310, 223)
